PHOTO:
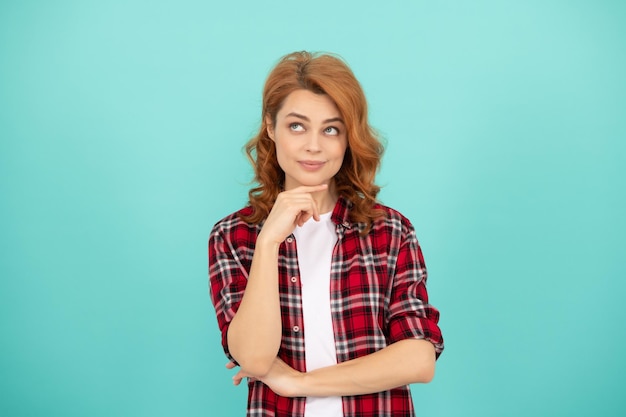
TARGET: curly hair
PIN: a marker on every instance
(320, 74)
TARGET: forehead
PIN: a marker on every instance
(307, 103)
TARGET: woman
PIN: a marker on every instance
(319, 290)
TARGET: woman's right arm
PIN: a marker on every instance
(255, 332)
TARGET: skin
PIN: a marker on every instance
(311, 141)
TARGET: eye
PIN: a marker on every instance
(331, 130)
(296, 127)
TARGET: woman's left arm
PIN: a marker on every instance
(405, 362)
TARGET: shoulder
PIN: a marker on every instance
(392, 219)
(233, 227)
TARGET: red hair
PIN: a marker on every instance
(320, 74)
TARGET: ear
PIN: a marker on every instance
(269, 126)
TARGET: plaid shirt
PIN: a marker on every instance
(377, 297)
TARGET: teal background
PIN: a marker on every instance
(121, 128)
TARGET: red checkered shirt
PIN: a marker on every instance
(377, 297)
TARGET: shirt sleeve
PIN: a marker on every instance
(410, 314)
(227, 281)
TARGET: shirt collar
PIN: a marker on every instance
(341, 213)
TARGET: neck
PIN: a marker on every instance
(326, 200)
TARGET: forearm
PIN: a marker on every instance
(405, 362)
(254, 333)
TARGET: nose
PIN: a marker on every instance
(313, 142)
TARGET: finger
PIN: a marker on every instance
(313, 211)
(230, 365)
(306, 214)
(238, 377)
(309, 188)
(316, 212)
(302, 218)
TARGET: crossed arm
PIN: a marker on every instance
(404, 362)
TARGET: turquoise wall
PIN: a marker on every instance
(121, 127)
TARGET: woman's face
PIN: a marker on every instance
(310, 139)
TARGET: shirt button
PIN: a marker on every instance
(289, 239)
(294, 279)
(296, 329)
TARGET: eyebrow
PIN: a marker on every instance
(303, 117)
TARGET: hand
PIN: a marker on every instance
(239, 376)
(292, 208)
(282, 379)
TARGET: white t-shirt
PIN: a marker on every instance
(315, 243)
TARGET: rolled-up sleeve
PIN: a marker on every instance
(227, 281)
(410, 314)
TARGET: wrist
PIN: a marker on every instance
(265, 242)
(300, 387)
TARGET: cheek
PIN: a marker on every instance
(341, 150)
(281, 154)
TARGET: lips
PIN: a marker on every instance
(311, 165)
